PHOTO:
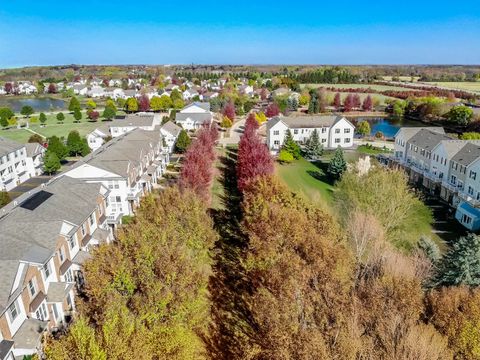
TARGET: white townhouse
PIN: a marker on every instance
(34, 159)
(80, 89)
(194, 115)
(96, 91)
(129, 166)
(333, 131)
(170, 133)
(14, 166)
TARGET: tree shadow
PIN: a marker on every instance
(321, 173)
(231, 320)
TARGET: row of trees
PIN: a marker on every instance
(58, 150)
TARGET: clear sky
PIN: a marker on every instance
(47, 32)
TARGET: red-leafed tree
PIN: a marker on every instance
(272, 110)
(357, 103)
(8, 87)
(229, 111)
(143, 103)
(197, 170)
(337, 101)
(348, 103)
(263, 94)
(254, 159)
(52, 89)
(367, 104)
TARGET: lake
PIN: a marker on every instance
(388, 126)
(38, 104)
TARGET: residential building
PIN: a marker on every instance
(170, 133)
(45, 237)
(194, 115)
(333, 131)
(34, 158)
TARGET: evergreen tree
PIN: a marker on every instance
(182, 142)
(314, 148)
(291, 146)
(429, 248)
(77, 114)
(74, 105)
(51, 162)
(337, 165)
(109, 113)
(461, 264)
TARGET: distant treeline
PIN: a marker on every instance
(326, 76)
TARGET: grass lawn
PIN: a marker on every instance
(464, 85)
(371, 150)
(402, 78)
(358, 86)
(307, 179)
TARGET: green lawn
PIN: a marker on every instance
(358, 86)
(307, 179)
(371, 150)
(464, 85)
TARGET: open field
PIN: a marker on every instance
(357, 86)
(467, 86)
(402, 78)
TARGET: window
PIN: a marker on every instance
(84, 229)
(61, 254)
(46, 270)
(337, 131)
(276, 142)
(337, 141)
(295, 131)
(13, 311)
(473, 175)
(324, 130)
(71, 241)
(41, 312)
(31, 287)
(466, 219)
(110, 185)
(453, 180)
(91, 219)
(347, 140)
(115, 185)
(118, 199)
(55, 311)
(470, 190)
(69, 276)
(346, 131)
(324, 140)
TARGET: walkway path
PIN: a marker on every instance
(234, 133)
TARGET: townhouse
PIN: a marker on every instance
(170, 132)
(129, 166)
(194, 115)
(45, 237)
(445, 166)
(333, 131)
(15, 164)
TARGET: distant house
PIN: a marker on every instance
(190, 94)
(170, 133)
(210, 95)
(333, 131)
(34, 159)
(195, 115)
(246, 90)
(80, 89)
(96, 92)
(280, 92)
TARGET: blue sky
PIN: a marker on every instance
(47, 32)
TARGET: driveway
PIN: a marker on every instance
(234, 134)
(28, 185)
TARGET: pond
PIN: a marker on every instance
(388, 126)
(38, 104)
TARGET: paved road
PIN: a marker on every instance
(235, 132)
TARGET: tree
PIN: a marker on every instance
(77, 115)
(52, 88)
(74, 143)
(51, 163)
(93, 115)
(229, 111)
(74, 105)
(363, 128)
(182, 143)
(260, 117)
(131, 105)
(108, 113)
(5, 115)
(367, 104)
(165, 103)
(178, 104)
(357, 103)
(348, 103)
(291, 146)
(461, 263)
(272, 110)
(461, 115)
(337, 101)
(26, 110)
(430, 249)
(285, 157)
(8, 87)
(313, 148)
(470, 136)
(143, 103)
(337, 166)
(35, 138)
(60, 117)
(4, 198)
(91, 105)
(226, 122)
(57, 146)
(156, 103)
(398, 108)
(176, 95)
(43, 118)
(111, 104)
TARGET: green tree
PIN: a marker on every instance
(470, 136)
(26, 110)
(460, 265)
(5, 115)
(461, 115)
(313, 148)
(111, 104)
(4, 198)
(35, 138)
(121, 103)
(165, 102)
(398, 108)
(60, 117)
(182, 142)
(337, 165)
(131, 105)
(155, 103)
(363, 128)
(51, 163)
(91, 105)
(74, 105)
(176, 95)
(58, 147)
(109, 113)
(291, 146)
(178, 104)
(226, 122)
(43, 118)
(285, 157)
(77, 115)
(74, 143)
(85, 150)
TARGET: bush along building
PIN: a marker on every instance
(446, 167)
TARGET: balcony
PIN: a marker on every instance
(133, 194)
(469, 198)
(114, 218)
(451, 187)
(431, 176)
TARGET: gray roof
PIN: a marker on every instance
(7, 146)
(408, 132)
(5, 348)
(143, 119)
(204, 105)
(29, 334)
(34, 149)
(57, 291)
(171, 128)
(453, 146)
(196, 117)
(468, 154)
(427, 139)
(305, 121)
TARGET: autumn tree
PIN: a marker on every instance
(348, 103)
(229, 111)
(367, 104)
(363, 128)
(272, 110)
(337, 101)
(131, 105)
(143, 103)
